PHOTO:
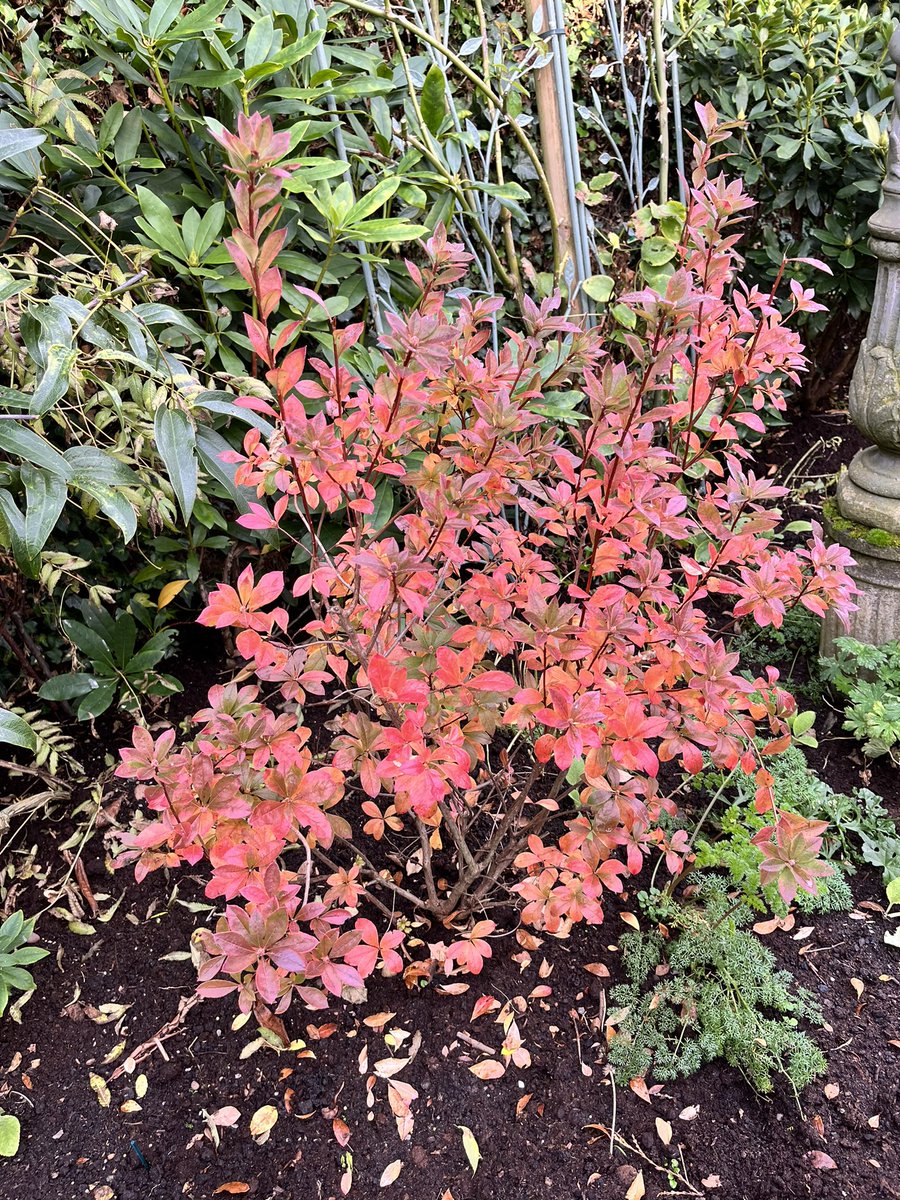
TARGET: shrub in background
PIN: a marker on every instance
(812, 80)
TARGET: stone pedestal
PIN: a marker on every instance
(868, 493)
(877, 574)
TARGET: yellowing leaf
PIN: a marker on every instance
(489, 1069)
(471, 1147)
(99, 1088)
(262, 1121)
(858, 986)
(390, 1173)
(637, 1190)
(130, 1106)
(140, 1086)
(664, 1131)
(170, 591)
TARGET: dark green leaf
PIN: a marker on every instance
(432, 101)
(176, 443)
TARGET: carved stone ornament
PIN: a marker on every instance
(869, 492)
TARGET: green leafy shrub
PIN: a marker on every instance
(121, 668)
(794, 644)
(869, 679)
(719, 996)
(812, 80)
(15, 956)
(860, 829)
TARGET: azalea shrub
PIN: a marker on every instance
(512, 670)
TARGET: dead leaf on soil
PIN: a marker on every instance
(385, 1068)
(637, 1190)
(341, 1131)
(858, 986)
(639, 1086)
(261, 1123)
(489, 1069)
(100, 1090)
(598, 969)
(225, 1117)
(484, 1004)
(630, 919)
(691, 1113)
(390, 1173)
(471, 1147)
(711, 1181)
(664, 1131)
(379, 1020)
(831, 1090)
(820, 1160)
(234, 1188)
(452, 989)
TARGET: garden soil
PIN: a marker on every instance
(558, 1128)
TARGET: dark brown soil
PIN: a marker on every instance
(533, 1126)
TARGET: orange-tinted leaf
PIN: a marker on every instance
(488, 1069)
(639, 1086)
(234, 1188)
(341, 1131)
(378, 1020)
(484, 1004)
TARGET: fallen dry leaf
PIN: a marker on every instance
(390, 1173)
(631, 919)
(831, 1090)
(341, 1131)
(387, 1067)
(226, 1116)
(484, 1004)
(821, 1161)
(664, 1131)
(522, 1103)
(234, 1188)
(764, 928)
(639, 1086)
(488, 1069)
(379, 1020)
(874, 1122)
(598, 969)
(691, 1113)
(452, 989)
(858, 986)
(261, 1123)
(637, 1190)
(100, 1090)
(711, 1181)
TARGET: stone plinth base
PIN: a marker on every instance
(877, 575)
(869, 492)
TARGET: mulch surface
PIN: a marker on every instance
(730, 1144)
